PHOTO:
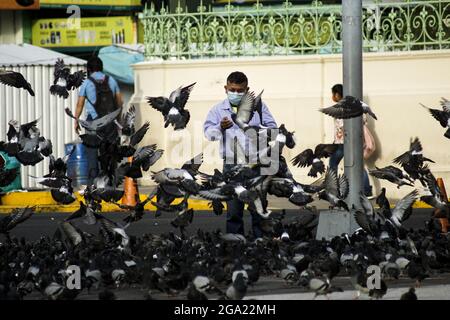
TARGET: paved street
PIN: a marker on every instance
(436, 287)
(45, 223)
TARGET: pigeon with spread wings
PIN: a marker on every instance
(443, 116)
(412, 160)
(183, 177)
(245, 112)
(336, 189)
(309, 158)
(65, 81)
(15, 79)
(173, 108)
(347, 108)
(93, 136)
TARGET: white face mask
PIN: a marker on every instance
(235, 97)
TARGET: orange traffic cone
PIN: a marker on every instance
(443, 221)
(131, 192)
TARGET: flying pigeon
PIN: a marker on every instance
(15, 79)
(392, 174)
(64, 80)
(349, 107)
(412, 161)
(183, 177)
(443, 116)
(248, 106)
(336, 189)
(309, 158)
(173, 108)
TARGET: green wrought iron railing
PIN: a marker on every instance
(290, 29)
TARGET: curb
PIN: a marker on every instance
(44, 202)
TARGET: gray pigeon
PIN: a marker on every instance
(183, 177)
(336, 189)
(173, 108)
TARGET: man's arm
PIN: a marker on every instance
(78, 111)
(116, 90)
(267, 118)
(119, 99)
(211, 127)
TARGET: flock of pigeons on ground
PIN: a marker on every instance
(210, 265)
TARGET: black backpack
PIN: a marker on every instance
(105, 102)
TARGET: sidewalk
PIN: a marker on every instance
(434, 292)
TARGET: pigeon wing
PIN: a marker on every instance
(303, 159)
(343, 186)
(139, 135)
(11, 78)
(363, 221)
(246, 108)
(27, 126)
(59, 67)
(161, 104)
(142, 154)
(331, 182)
(213, 194)
(415, 145)
(439, 115)
(445, 104)
(404, 204)
(11, 132)
(325, 150)
(193, 164)
(403, 158)
(105, 120)
(148, 162)
(181, 97)
(76, 80)
(128, 119)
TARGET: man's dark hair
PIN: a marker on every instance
(94, 64)
(237, 77)
(338, 88)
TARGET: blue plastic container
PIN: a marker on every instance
(11, 163)
(82, 165)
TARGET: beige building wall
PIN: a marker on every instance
(294, 88)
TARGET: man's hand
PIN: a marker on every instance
(226, 123)
(77, 128)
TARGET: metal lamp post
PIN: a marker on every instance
(334, 223)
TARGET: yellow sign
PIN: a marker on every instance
(88, 32)
(93, 2)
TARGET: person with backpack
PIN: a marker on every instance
(219, 126)
(99, 93)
